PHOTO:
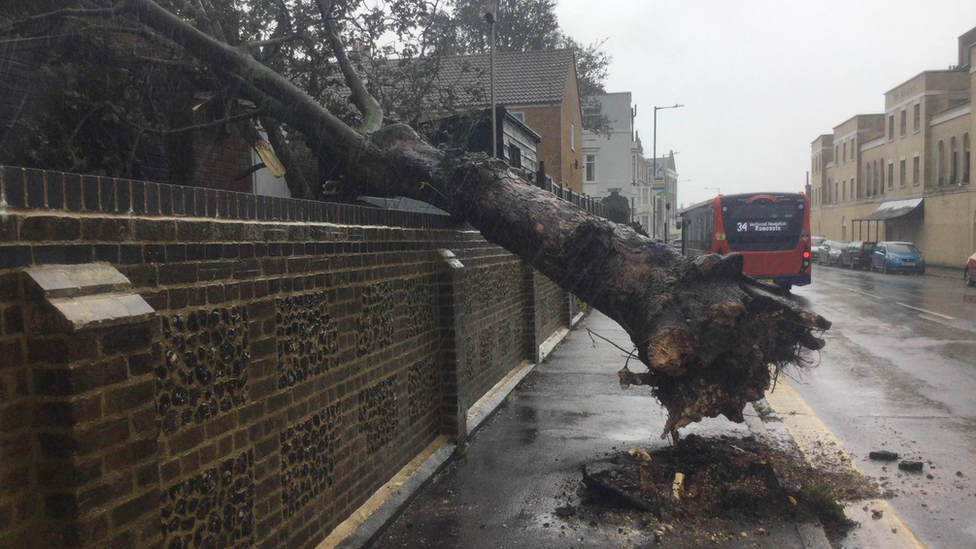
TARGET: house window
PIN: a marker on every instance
(953, 162)
(853, 149)
(843, 147)
(843, 190)
(904, 122)
(917, 123)
(891, 174)
(633, 168)
(916, 169)
(902, 179)
(520, 116)
(572, 136)
(965, 159)
(868, 189)
(591, 167)
(940, 163)
(891, 127)
(514, 156)
(836, 154)
(874, 183)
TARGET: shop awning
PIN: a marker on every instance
(893, 209)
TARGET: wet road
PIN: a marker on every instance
(899, 373)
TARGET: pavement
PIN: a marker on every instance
(526, 460)
(899, 373)
(944, 272)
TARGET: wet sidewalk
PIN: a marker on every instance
(526, 461)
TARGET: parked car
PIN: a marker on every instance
(857, 255)
(815, 242)
(900, 257)
(969, 274)
(830, 251)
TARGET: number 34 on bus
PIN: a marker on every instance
(770, 230)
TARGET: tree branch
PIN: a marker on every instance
(364, 101)
(228, 120)
(249, 171)
(302, 112)
(71, 12)
(258, 44)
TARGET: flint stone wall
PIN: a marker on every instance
(299, 355)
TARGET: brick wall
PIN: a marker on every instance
(300, 354)
(551, 307)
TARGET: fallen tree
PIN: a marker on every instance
(706, 333)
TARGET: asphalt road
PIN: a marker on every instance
(899, 373)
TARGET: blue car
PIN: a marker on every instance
(897, 257)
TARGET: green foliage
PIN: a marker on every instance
(78, 119)
(820, 501)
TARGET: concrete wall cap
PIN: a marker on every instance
(58, 281)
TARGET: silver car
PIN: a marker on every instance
(830, 251)
(815, 242)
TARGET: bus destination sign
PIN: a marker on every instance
(761, 226)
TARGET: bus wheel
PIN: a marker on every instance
(785, 286)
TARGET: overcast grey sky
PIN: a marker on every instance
(761, 78)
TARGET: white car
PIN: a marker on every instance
(815, 242)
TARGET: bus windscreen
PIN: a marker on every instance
(755, 224)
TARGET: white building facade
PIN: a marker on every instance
(664, 203)
(616, 161)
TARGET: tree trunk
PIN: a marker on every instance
(707, 333)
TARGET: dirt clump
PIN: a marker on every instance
(727, 478)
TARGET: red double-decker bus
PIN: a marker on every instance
(770, 230)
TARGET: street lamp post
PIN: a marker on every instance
(654, 167)
(717, 189)
(490, 18)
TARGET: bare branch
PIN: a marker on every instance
(257, 44)
(364, 101)
(257, 167)
(250, 115)
(304, 113)
(210, 25)
(71, 12)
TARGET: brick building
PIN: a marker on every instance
(539, 88)
(905, 173)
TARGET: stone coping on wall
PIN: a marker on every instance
(38, 190)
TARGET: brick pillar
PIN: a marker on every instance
(92, 359)
(570, 308)
(532, 304)
(454, 407)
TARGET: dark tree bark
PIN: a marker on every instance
(707, 333)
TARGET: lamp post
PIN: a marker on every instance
(490, 18)
(654, 165)
(717, 189)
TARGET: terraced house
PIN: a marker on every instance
(905, 174)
